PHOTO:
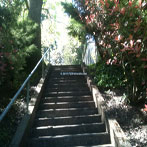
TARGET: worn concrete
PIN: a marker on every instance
(67, 115)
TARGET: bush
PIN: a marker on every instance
(118, 28)
(107, 76)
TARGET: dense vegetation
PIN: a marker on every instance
(107, 76)
(117, 26)
(17, 34)
(17, 51)
(119, 29)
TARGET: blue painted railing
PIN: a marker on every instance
(26, 82)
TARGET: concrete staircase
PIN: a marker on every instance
(67, 116)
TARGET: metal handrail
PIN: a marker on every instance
(27, 81)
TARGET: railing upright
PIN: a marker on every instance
(28, 95)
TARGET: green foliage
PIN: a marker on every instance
(17, 35)
(77, 29)
(16, 46)
(79, 53)
(71, 11)
(9, 124)
(72, 52)
(107, 76)
(118, 28)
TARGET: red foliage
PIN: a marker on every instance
(130, 3)
(145, 109)
(122, 11)
(120, 28)
(102, 2)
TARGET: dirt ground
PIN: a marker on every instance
(133, 120)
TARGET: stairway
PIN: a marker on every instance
(67, 116)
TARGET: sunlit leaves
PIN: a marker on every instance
(119, 27)
(77, 30)
(16, 42)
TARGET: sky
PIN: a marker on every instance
(61, 22)
(58, 22)
(60, 25)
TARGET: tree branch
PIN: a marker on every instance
(27, 4)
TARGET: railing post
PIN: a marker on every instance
(28, 94)
(49, 56)
(42, 69)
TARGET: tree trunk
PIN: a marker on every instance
(35, 14)
(35, 10)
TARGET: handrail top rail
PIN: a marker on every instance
(21, 88)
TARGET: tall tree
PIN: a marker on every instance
(35, 9)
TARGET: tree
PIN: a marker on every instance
(79, 13)
(17, 33)
(118, 28)
(16, 46)
(35, 9)
(72, 52)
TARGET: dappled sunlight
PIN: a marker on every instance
(75, 48)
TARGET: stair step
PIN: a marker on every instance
(66, 80)
(49, 84)
(103, 145)
(71, 140)
(66, 115)
(84, 119)
(79, 77)
(67, 89)
(68, 129)
(67, 99)
(67, 86)
(67, 73)
(59, 75)
(71, 70)
(68, 93)
(58, 105)
(66, 112)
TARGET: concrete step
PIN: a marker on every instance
(66, 99)
(67, 93)
(104, 145)
(81, 77)
(50, 84)
(64, 89)
(69, 120)
(71, 70)
(67, 80)
(70, 85)
(87, 139)
(66, 112)
(68, 66)
(66, 116)
(68, 129)
(80, 104)
(67, 73)
(68, 69)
